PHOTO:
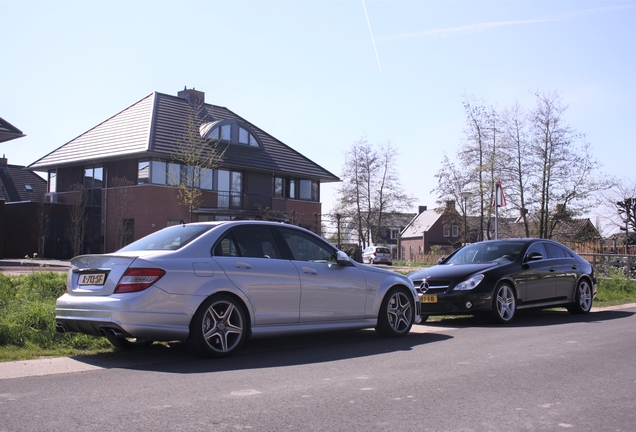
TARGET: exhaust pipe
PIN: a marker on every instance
(116, 333)
(59, 327)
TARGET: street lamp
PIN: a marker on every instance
(465, 196)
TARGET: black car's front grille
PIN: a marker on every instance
(432, 286)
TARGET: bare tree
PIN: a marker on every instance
(43, 223)
(76, 230)
(621, 199)
(122, 199)
(197, 156)
(479, 156)
(547, 168)
(371, 189)
(516, 166)
(568, 175)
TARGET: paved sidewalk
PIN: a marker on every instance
(14, 266)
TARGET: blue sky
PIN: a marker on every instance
(312, 74)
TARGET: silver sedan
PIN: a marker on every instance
(215, 284)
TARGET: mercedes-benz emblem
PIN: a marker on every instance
(424, 286)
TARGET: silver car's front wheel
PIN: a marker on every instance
(219, 327)
(397, 313)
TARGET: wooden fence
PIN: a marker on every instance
(612, 264)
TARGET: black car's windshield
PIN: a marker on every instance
(171, 238)
(487, 252)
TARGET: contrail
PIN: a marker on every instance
(472, 28)
(371, 32)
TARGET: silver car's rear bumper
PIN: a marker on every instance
(130, 314)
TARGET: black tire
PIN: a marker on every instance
(219, 327)
(582, 298)
(397, 313)
(504, 304)
(127, 344)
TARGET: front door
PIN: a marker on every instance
(253, 262)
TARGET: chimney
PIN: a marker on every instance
(194, 97)
(421, 209)
(450, 206)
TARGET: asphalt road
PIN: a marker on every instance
(548, 371)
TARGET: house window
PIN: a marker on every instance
(394, 234)
(412, 251)
(174, 174)
(455, 231)
(230, 187)
(226, 132)
(244, 136)
(52, 181)
(206, 178)
(158, 172)
(279, 187)
(421, 250)
(447, 230)
(93, 177)
(308, 190)
(229, 130)
(304, 189)
(143, 172)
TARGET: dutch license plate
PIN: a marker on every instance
(92, 279)
(428, 298)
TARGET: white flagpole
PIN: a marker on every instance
(497, 210)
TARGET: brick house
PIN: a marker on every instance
(128, 172)
(438, 227)
(21, 193)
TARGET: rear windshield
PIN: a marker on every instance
(383, 250)
(171, 238)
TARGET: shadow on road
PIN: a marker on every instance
(264, 353)
(533, 318)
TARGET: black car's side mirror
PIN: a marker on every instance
(342, 259)
(533, 256)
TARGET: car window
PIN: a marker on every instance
(248, 241)
(307, 248)
(537, 247)
(172, 238)
(555, 251)
(383, 250)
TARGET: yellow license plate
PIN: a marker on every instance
(92, 279)
(428, 298)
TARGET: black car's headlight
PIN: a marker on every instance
(469, 283)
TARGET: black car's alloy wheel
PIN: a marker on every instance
(582, 299)
(504, 304)
(397, 313)
(219, 327)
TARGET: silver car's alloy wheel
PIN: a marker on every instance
(504, 304)
(396, 314)
(219, 327)
(582, 299)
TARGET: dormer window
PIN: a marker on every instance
(231, 131)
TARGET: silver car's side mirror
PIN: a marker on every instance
(342, 259)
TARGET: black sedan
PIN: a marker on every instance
(501, 276)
